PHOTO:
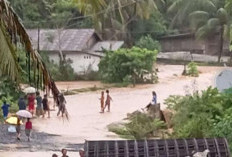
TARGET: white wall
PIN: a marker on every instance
(81, 61)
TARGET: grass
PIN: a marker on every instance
(121, 131)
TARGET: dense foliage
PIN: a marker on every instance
(140, 126)
(148, 43)
(49, 14)
(202, 114)
(130, 65)
(192, 69)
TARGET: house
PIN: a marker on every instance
(82, 46)
(188, 42)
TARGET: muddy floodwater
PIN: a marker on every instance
(86, 123)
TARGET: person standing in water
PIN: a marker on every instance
(18, 128)
(108, 100)
(28, 128)
(39, 107)
(5, 109)
(154, 98)
(46, 106)
(61, 105)
(102, 101)
(31, 103)
(21, 103)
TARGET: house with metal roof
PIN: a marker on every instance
(82, 46)
(188, 42)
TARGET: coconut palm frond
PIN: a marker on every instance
(202, 32)
(11, 33)
(94, 5)
(183, 8)
(213, 23)
(222, 15)
(199, 14)
(174, 6)
(207, 5)
(228, 6)
(8, 58)
(198, 18)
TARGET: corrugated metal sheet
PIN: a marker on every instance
(217, 147)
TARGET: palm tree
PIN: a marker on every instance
(112, 17)
(12, 33)
(206, 18)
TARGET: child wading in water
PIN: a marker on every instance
(102, 102)
(108, 99)
(28, 128)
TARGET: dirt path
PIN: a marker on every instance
(86, 123)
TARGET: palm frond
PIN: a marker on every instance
(202, 32)
(181, 9)
(8, 57)
(222, 15)
(213, 23)
(198, 18)
(11, 30)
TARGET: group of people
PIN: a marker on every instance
(34, 99)
(106, 103)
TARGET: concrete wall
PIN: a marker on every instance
(81, 62)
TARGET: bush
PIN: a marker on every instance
(129, 65)
(202, 114)
(140, 126)
(148, 43)
(192, 69)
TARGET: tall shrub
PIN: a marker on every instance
(133, 64)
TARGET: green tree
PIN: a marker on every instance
(13, 34)
(148, 43)
(156, 26)
(114, 16)
(128, 65)
(206, 17)
(49, 14)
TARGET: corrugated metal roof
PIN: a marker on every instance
(70, 39)
(213, 147)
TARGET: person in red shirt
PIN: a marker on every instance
(28, 128)
(31, 103)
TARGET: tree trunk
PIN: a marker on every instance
(59, 30)
(221, 42)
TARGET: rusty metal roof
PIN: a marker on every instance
(217, 147)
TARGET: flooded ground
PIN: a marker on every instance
(86, 123)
